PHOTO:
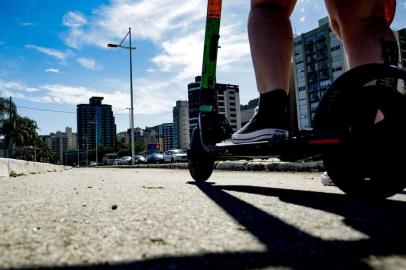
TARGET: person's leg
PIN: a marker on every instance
(271, 38)
(364, 30)
(363, 26)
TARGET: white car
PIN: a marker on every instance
(175, 155)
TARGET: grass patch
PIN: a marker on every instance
(15, 174)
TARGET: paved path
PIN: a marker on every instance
(156, 218)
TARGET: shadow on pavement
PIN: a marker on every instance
(287, 246)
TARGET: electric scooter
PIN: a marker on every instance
(363, 158)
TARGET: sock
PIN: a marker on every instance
(273, 107)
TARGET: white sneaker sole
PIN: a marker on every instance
(260, 135)
(326, 180)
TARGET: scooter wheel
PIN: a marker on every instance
(200, 162)
(368, 163)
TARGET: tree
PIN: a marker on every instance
(8, 108)
(19, 130)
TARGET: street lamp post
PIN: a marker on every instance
(130, 48)
(97, 155)
(77, 146)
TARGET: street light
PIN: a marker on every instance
(129, 48)
(95, 122)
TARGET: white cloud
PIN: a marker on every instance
(151, 20)
(183, 55)
(25, 24)
(52, 70)
(144, 92)
(177, 31)
(88, 63)
(117, 94)
(74, 19)
(60, 55)
(14, 88)
(302, 19)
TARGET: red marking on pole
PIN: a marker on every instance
(214, 9)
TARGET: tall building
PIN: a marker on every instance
(152, 140)
(319, 59)
(59, 142)
(96, 115)
(165, 135)
(401, 39)
(71, 139)
(138, 136)
(228, 103)
(181, 133)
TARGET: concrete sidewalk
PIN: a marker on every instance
(160, 219)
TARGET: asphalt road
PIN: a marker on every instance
(159, 219)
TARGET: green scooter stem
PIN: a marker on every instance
(212, 35)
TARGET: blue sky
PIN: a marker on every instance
(53, 54)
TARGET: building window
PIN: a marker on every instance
(335, 48)
(302, 88)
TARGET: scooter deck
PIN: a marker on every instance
(294, 148)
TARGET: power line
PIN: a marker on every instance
(45, 110)
(70, 112)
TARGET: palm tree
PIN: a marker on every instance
(7, 108)
(19, 130)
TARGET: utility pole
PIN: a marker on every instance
(87, 154)
(77, 142)
(132, 105)
(130, 48)
(97, 156)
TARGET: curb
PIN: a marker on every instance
(241, 165)
(271, 166)
(13, 167)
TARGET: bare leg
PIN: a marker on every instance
(365, 32)
(270, 36)
(362, 27)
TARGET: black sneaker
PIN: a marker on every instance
(259, 128)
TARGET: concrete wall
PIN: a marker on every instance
(18, 167)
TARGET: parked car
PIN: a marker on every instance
(137, 159)
(175, 155)
(109, 158)
(155, 158)
(118, 161)
(140, 159)
(126, 160)
(93, 163)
